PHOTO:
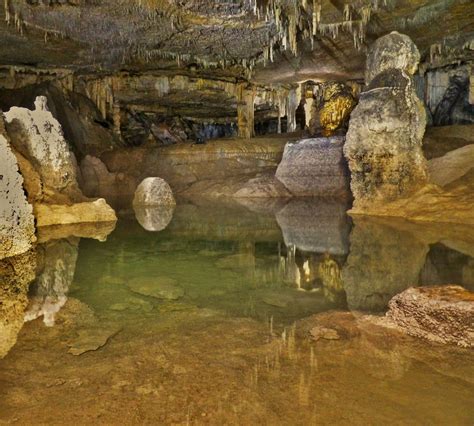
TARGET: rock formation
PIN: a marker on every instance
(153, 191)
(315, 167)
(38, 136)
(337, 106)
(16, 274)
(16, 215)
(383, 144)
(49, 169)
(443, 314)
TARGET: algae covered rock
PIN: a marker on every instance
(153, 191)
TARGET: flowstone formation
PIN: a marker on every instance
(383, 143)
(49, 169)
(337, 107)
(38, 136)
(16, 215)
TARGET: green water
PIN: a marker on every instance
(208, 320)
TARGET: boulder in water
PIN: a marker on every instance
(153, 191)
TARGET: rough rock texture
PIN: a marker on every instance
(315, 168)
(383, 143)
(16, 215)
(16, 274)
(393, 51)
(443, 314)
(382, 262)
(336, 109)
(153, 191)
(56, 214)
(38, 136)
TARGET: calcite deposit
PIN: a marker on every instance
(384, 141)
(16, 215)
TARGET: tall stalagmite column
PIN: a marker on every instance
(383, 143)
(245, 112)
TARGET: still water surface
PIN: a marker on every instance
(203, 316)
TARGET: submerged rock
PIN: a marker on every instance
(91, 339)
(443, 314)
(153, 191)
(315, 168)
(383, 143)
(158, 287)
(16, 215)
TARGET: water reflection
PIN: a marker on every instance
(307, 258)
(154, 218)
(49, 292)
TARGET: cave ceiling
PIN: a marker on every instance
(268, 41)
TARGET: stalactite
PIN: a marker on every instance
(7, 12)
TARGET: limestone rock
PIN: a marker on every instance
(55, 214)
(336, 109)
(263, 186)
(393, 51)
(155, 218)
(383, 143)
(315, 168)
(91, 339)
(158, 287)
(452, 166)
(443, 314)
(16, 215)
(38, 136)
(153, 191)
(16, 274)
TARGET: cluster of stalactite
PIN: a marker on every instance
(304, 19)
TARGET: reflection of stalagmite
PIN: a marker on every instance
(383, 262)
(16, 273)
(52, 285)
(330, 273)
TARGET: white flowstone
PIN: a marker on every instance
(16, 215)
(153, 191)
(39, 137)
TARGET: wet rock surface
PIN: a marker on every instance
(157, 287)
(315, 168)
(443, 314)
